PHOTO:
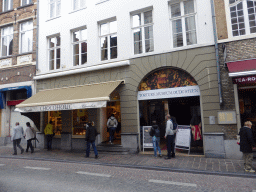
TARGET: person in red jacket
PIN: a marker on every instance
(246, 145)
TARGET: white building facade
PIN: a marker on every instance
(127, 48)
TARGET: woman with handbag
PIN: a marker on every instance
(29, 135)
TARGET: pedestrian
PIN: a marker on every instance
(29, 135)
(48, 131)
(90, 137)
(16, 137)
(246, 145)
(155, 133)
(112, 124)
(169, 136)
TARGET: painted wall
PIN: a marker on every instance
(94, 13)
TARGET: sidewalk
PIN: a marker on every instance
(181, 163)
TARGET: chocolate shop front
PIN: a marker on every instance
(71, 108)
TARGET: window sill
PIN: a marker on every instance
(26, 53)
(24, 6)
(6, 11)
(77, 10)
(6, 57)
(101, 1)
(52, 18)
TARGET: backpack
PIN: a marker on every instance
(111, 122)
(157, 132)
(152, 132)
(175, 125)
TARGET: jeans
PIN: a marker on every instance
(29, 145)
(49, 141)
(170, 145)
(156, 145)
(88, 148)
(16, 142)
(112, 131)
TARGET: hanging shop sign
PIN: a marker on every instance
(244, 80)
(169, 93)
(62, 107)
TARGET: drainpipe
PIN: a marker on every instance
(37, 32)
(216, 50)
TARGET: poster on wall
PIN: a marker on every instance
(147, 139)
(183, 137)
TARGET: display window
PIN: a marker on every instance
(80, 118)
(55, 117)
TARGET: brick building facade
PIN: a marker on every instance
(18, 26)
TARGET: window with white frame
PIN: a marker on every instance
(183, 23)
(26, 36)
(78, 4)
(242, 15)
(7, 5)
(142, 27)
(54, 52)
(54, 7)
(108, 40)
(25, 2)
(79, 43)
(6, 41)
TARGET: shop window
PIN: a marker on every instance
(18, 94)
(55, 117)
(25, 2)
(108, 39)
(26, 36)
(142, 27)
(6, 41)
(242, 15)
(80, 119)
(54, 8)
(78, 4)
(7, 5)
(183, 23)
(54, 52)
(79, 43)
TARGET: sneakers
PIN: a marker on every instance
(250, 170)
(160, 155)
(96, 156)
(22, 151)
(167, 157)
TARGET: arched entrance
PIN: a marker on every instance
(170, 91)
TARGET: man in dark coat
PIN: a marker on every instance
(246, 145)
(91, 134)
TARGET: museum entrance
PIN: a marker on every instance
(175, 92)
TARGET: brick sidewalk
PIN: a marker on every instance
(181, 163)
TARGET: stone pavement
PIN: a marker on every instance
(181, 163)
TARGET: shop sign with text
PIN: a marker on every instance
(247, 79)
(62, 107)
(187, 91)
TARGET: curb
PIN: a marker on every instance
(156, 168)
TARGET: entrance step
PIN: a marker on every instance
(115, 149)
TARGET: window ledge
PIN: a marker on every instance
(23, 6)
(6, 11)
(6, 57)
(53, 18)
(26, 53)
(77, 10)
(101, 1)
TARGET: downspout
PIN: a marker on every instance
(216, 50)
(37, 32)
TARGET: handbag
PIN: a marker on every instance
(238, 139)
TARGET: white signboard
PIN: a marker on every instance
(183, 137)
(62, 107)
(147, 139)
(187, 91)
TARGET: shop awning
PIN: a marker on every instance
(242, 68)
(69, 98)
